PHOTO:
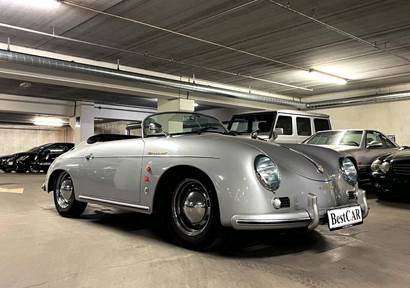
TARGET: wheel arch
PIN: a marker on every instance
(52, 179)
(173, 174)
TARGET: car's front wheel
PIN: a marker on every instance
(192, 214)
(64, 198)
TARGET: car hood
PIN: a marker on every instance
(292, 158)
(339, 148)
(400, 156)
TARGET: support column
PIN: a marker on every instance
(180, 104)
(83, 122)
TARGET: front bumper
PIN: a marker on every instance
(309, 218)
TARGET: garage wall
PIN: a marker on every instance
(18, 138)
(114, 127)
(389, 118)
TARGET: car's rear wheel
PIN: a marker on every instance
(64, 198)
(192, 214)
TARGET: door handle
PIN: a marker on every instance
(89, 157)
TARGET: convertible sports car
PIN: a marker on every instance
(195, 178)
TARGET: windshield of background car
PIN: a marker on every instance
(349, 138)
(248, 123)
(37, 149)
(181, 123)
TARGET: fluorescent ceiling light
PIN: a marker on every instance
(196, 104)
(323, 77)
(48, 121)
(40, 4)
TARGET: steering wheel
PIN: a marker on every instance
(352, 143)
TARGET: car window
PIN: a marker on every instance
(321, 124)
(285, 122)
(351, 138)
(374, 137)
(248, 123)
(303, 126)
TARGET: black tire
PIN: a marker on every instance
(174, 223)
(66, 206)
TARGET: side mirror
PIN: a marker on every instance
(155, 128)
(374, 144)
(254, 134)
(276, 132)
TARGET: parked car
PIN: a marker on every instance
(29, 161)
(391, 174)
(7, 163)
(362, 146)
(45, 157)
(292, 125)
(195, 178)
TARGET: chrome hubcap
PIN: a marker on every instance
(65, 192)
(191, 208)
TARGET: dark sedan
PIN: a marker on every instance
(34, 160)
(391, 175)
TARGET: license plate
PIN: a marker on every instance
(344, 217)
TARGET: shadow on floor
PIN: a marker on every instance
(234, 243)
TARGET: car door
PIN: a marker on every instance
(285, 122)
(112, 171)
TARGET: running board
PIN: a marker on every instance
(116, 203)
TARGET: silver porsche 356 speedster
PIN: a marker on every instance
(188, 170)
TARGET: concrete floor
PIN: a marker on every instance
(108, 248)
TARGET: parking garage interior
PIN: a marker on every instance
(73, 69)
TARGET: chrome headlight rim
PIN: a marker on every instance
(385, 167)
(375, 166)
(263, 173)
(348, 170)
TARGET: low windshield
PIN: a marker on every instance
(37, 149)
(349, 138)
(181, 123)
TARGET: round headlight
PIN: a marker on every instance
(267, 172)
(349, 171)
(376, 165)
(385, 167)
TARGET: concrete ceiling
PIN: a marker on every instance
(260, 27)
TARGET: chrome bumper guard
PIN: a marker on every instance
(43, 186)
(309, 218)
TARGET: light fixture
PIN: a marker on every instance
(324, 77)
(196, 104)
(48, 121)
(40, 4)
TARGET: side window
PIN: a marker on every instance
(321, 124)
(285, 122)
(387, 142)
(303, 126)
(377, 139)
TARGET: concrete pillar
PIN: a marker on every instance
(180, 104)
(83, 122)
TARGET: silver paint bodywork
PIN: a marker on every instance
(114, 173)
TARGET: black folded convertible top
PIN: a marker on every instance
(109, 137)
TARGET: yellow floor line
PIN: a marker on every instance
(11, 190)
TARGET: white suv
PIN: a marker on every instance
(292, 126)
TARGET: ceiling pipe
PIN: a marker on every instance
(54, 64)
(352, 101)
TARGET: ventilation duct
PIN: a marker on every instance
(49, 63)
(358, 101)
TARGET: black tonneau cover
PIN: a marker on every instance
(109, 137)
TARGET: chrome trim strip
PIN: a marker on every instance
(271, 221)
(128, 205)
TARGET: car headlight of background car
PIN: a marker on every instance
(375, 167)
(379, 166)
(385, 167)
(349, 171)
(267, 172)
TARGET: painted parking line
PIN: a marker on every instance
(15, 190)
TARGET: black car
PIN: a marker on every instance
(35, 160)
(391, 175)
(45, 158)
